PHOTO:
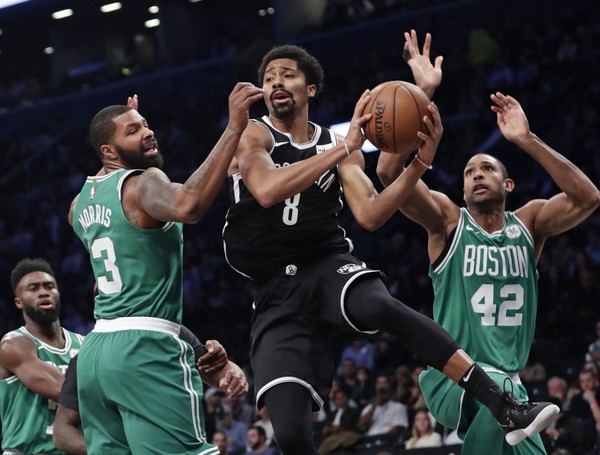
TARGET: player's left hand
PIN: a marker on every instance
(431, 140)
(510, 117)
(215, 358)
(234, 384)
(427, 75)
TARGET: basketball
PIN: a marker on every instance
(398, 108)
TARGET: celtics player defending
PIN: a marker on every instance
(33, 360)
(139, 390)
(282, 231)
(483, 267)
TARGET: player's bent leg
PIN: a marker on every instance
(290, 409)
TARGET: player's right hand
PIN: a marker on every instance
(241, 98)
(234, 383)
(355, 137)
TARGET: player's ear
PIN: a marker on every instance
(18, 303)
(108, 152)
(509, 185)
(312, 90)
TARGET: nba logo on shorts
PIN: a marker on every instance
(350, 268)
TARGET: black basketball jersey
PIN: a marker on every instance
(260, 242)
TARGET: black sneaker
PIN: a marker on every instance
(521, 420)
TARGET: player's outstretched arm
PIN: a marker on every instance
(372, 209)
(579, 197)
(164, 200)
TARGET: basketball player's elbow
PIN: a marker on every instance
(191, 213)
(386, 175)
(369, 223)
(267, 197)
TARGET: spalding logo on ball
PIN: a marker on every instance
(398, 108)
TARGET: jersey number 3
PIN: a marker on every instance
(512, 299)
(104, 249)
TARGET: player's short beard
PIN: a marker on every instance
(137, 160)
(285, 111)
(45, 317)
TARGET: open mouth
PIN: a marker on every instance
(478, 189)
(280, 97)
(46, 305)
(151, 150)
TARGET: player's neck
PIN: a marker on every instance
(489, 221)
(296, 126)
(51, 334)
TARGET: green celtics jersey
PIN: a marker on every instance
(26, 416)
(138, 271)
(485, 288)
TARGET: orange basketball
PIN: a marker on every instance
(398, 108)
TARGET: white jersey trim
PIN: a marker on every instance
(137, 323)
(343, 306)
(285, 379)
(461, 221)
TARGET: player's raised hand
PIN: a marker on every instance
(240, 99)
(427, 75)
(510, 117)
(355, 137)
(431, 140)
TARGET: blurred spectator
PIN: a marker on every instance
(235, 432)
(219, 439)
(584, 408)
(213, 408)
(265, 422)
(423, 434)
(241, 410)
(362, 352)
(341, 430)
(593, 351)
(257, 442)
(384, 417)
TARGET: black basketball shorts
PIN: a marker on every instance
(295, 315)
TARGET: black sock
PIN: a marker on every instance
(476, 382)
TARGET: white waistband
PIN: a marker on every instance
(137, 323)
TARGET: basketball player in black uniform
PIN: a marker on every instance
(282, 231)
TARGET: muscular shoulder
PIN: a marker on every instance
(528, 213)
(14, 348)
(137, 186)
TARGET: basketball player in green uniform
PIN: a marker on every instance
(33, 361)
(139, 391)
(483, 266)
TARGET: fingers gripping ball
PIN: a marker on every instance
(398, 108)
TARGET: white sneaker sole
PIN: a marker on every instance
(539, 423)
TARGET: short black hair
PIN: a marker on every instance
(103, 126)
(260, 430)
(308, 64)
(26, 266)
